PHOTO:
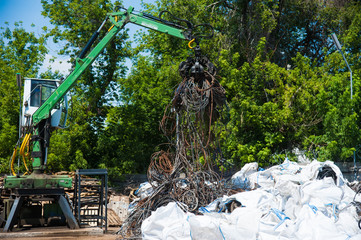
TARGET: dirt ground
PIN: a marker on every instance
(59, 233)
(104, 237)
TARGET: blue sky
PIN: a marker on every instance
(29, 12)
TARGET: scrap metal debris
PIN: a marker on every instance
(288, 201)
(184, 173)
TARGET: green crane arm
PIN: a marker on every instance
(40, 119)
(82, 63)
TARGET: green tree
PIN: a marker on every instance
(283, 86)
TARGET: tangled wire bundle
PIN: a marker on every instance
(185, 172)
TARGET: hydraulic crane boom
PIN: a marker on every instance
(83, 62)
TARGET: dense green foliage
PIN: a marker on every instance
(287, 86)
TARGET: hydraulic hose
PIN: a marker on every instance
(12, 161)
(22, 150)
(22, 153)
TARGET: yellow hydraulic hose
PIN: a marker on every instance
(190, 42)
(12, 162)
(116, 19)
(22, 150)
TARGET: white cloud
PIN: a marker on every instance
(60, 64)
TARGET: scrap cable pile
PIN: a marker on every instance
(184, 173)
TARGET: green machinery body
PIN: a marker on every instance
(38, 181)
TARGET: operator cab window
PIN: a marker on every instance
(40, 91)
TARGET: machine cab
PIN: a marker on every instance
(36, 91)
